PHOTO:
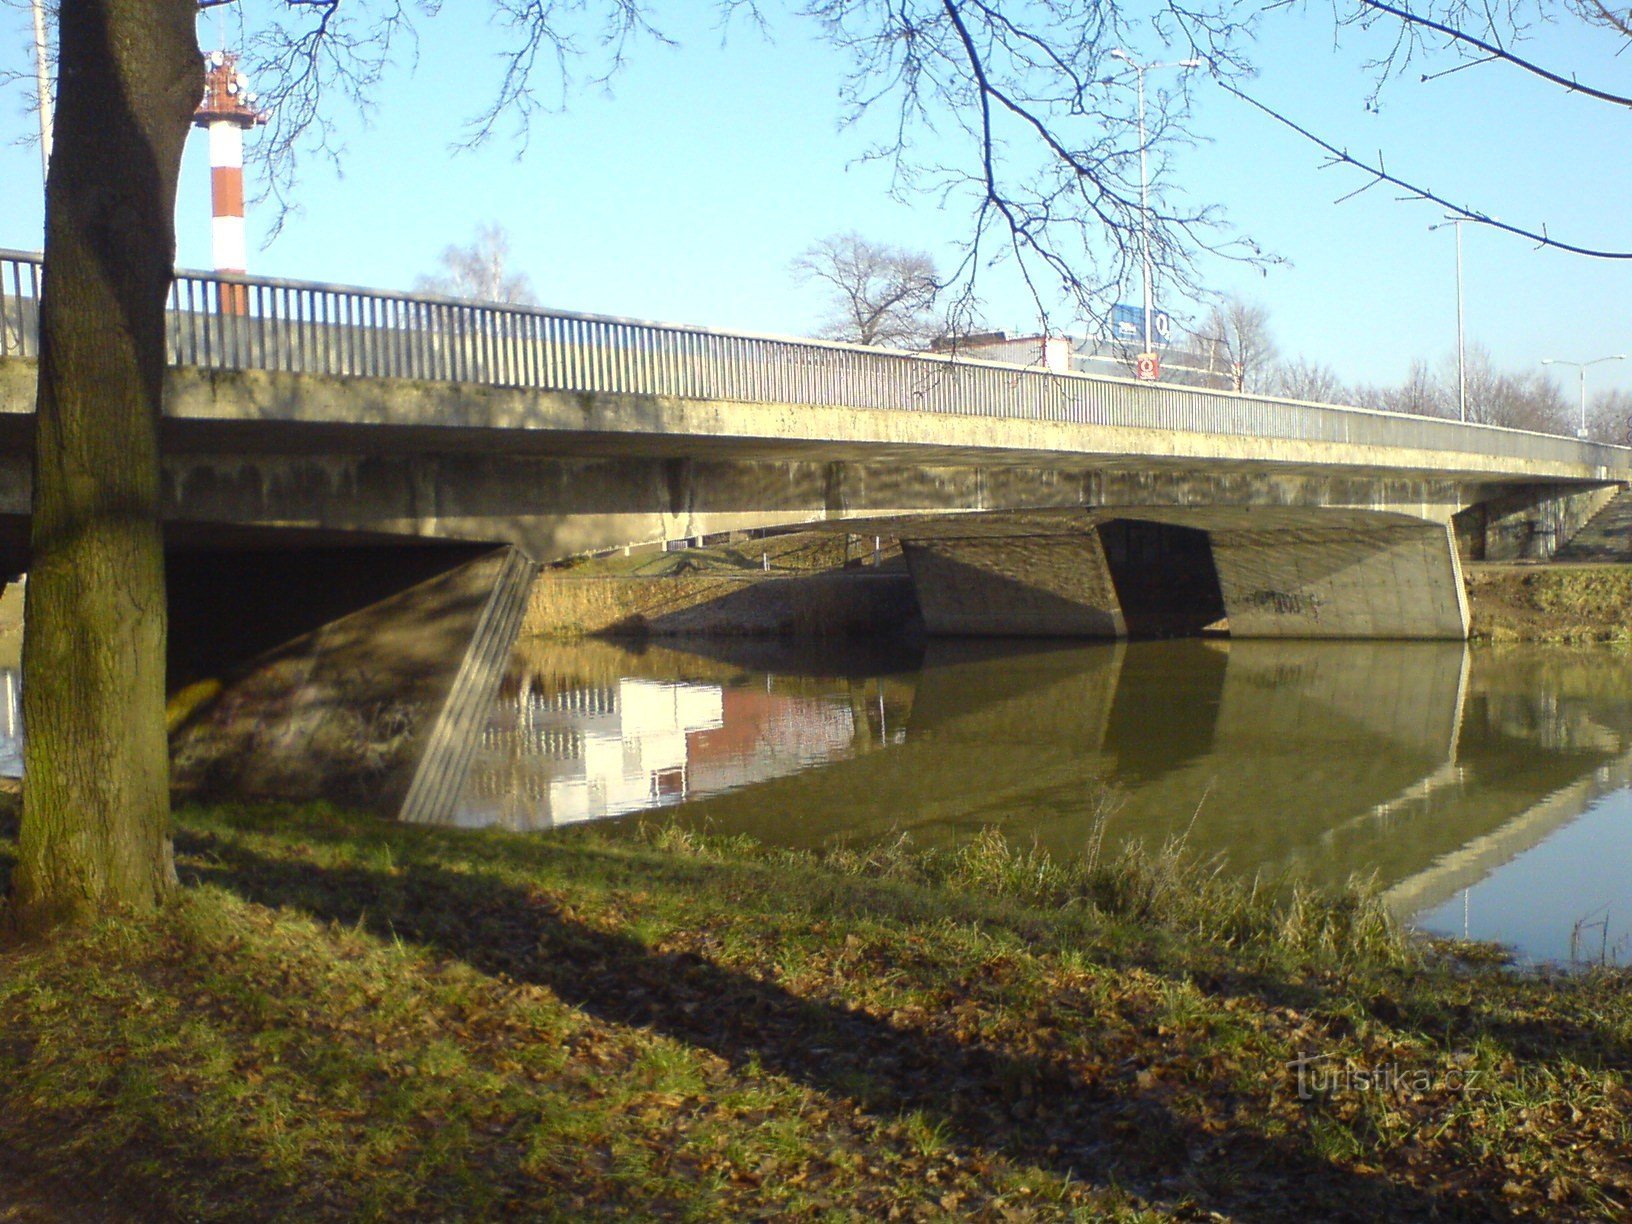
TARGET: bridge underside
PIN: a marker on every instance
(1112, 551)
(1005, 539)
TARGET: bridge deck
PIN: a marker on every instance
(292, 331)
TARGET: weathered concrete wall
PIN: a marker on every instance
(561, 507)
(814, 605)
(1389, 582)
(1024, 586)
(358, 413)
(1534, 523)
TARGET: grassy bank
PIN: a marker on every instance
(344, 1019)
(1550, 603)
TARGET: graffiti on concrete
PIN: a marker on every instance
(1285, 603)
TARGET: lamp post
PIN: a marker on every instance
(1461, 345)
(1581, 369)
(1144, 177)
(42, 83)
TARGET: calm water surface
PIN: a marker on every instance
(1488, 791)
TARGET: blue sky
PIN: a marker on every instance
(684, 192)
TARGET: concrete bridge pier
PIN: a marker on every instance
(1380, 582)
(1118, 573)
(378, 703)
(1020, 586)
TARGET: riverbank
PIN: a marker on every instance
(1550, 603)
(1507, 603)
(347, 1019)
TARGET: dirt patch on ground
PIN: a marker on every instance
(1550, 603)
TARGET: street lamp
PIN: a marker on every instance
(1581, 368)
(1144, 177)
(1461, 346)
(42, 82)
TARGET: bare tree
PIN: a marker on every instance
(1528, 400)
(1517, 400)
(877, 294)
(1237, 332)
(480, 271)
(1311, 381)
(1610, 418)
(96, 808)
(1453, 35)
(1421, 393)
(1048, 166)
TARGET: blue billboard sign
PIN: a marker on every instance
(1128, 325)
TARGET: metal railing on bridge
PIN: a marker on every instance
(219, 321)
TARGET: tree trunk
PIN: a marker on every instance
(95, 827)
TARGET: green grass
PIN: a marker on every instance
(344, 1019)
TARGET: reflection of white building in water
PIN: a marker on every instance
(559, 757)
(11, 723)
(631, 749)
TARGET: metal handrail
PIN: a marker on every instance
(224, 321)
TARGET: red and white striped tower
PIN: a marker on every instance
(227, 112)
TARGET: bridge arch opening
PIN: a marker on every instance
(1164, 575)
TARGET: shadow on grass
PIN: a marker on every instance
(1037, 1111)
(11, 814)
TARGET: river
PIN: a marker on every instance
(1487, 791)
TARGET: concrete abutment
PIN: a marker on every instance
(1130, 577)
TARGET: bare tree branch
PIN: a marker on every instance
(1380, 174)
(1494, 51)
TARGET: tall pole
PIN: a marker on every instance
(42, 84)
(1144, 211)
(226, 112)
(1146, 265)
(1461, 333)
(1461, 342)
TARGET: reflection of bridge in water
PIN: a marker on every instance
(1423, 763)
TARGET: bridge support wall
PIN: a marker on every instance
(1387, 582)
(1021, 586)
(380, 708)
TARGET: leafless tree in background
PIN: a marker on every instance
(1237, 332)
(1609, 419)
(1421, 393)
(1525, 400)
(1302, 379)
(877, 294)
(1518, 400)
(480, 271)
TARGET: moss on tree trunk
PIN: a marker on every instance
(95, 826)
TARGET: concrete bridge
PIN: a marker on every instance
(341, 463)
(1029, 502)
